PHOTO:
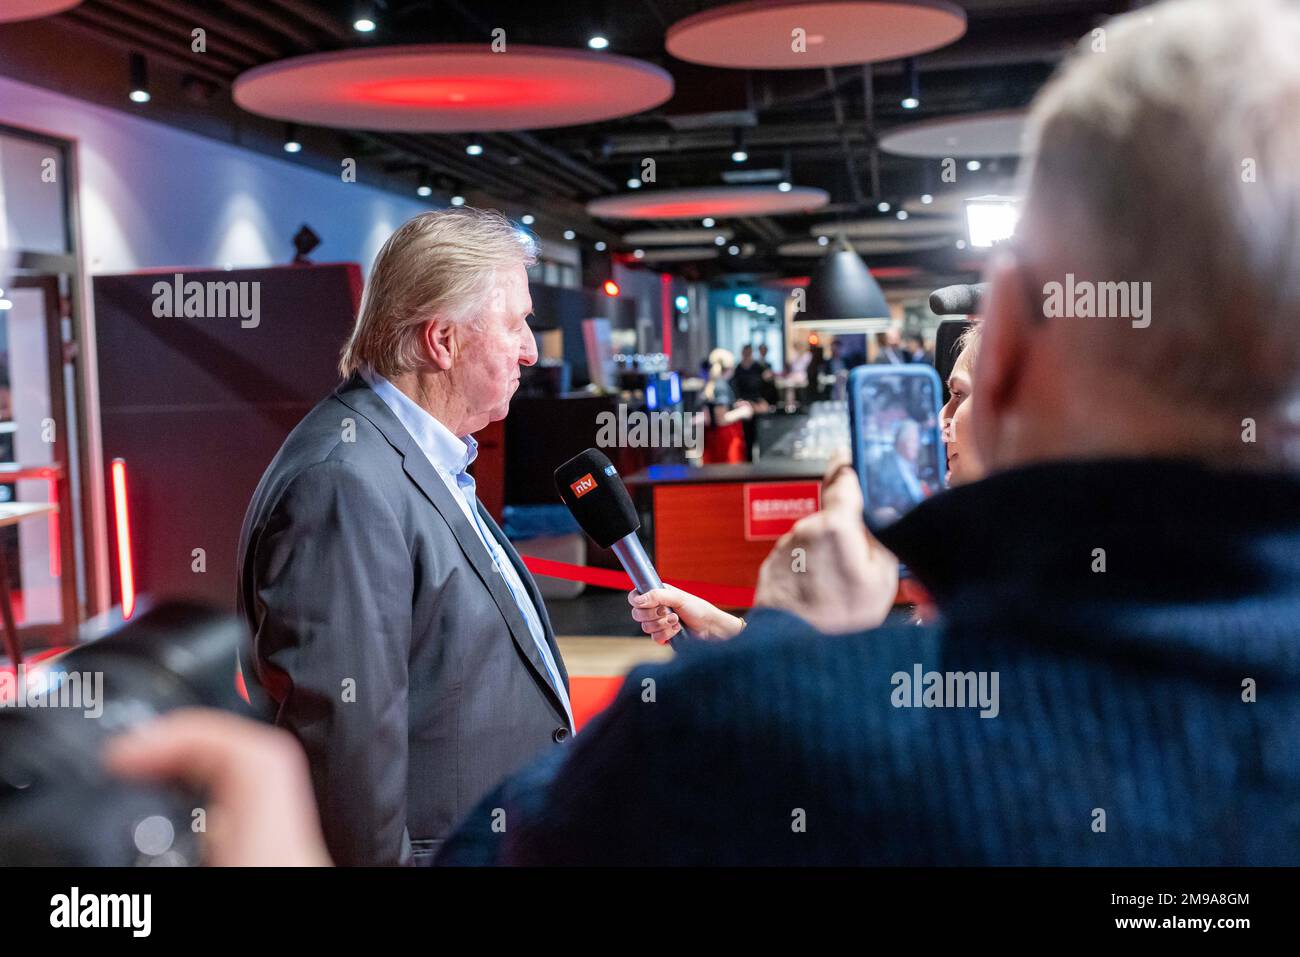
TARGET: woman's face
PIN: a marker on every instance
(963, 462)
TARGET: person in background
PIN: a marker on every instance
(889, 348)
(963, 457)
(747, 377)
(724, 434)
(914, 348)
(769, 392)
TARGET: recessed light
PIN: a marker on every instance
(363, 25)
(973, 165)
(569, 234)
(901, 214)
(598, 42)
(910, 103)
(474, 149)
(424, 189)
(734, 250)
(600, 245)
(739, 156)
(823, 240)
(882, 206)
(707, 222)
(634, 183)
(458, 201)
(784, 186)
(639, 253)
(528, 219)
(927, 199)
(719, 240)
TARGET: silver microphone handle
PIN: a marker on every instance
(631, 555)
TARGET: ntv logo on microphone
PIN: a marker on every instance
(583, 485)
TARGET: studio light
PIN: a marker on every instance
(139, 69)
(991, 219)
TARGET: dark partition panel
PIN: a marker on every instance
(198, 386)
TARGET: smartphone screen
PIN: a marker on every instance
(896, 437)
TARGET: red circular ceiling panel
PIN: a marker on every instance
(805, 34)
(11, 10)
(721, 202)
(452, 88)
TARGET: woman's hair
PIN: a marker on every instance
(437, 264)
(968, 346)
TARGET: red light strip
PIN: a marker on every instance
(56, 560)
(124, 564)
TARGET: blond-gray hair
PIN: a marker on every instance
(439, 264)
(1167, 149)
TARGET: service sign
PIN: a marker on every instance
(772, 508)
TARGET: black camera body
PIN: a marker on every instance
(58, 805)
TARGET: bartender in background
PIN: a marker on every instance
(724, 434)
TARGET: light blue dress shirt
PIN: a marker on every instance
(451, 457)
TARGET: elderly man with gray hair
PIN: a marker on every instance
(395, 629)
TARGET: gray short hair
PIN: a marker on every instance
(1167, 149)
(440, 263)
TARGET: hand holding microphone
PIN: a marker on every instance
(590, 486)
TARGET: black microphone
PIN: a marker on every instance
(590, 486)
(958, 300)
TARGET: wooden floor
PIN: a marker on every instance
(608, 657)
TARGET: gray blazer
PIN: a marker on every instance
(384, 638)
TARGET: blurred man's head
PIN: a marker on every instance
(1163, 193)
(445, 314)
(746, 355)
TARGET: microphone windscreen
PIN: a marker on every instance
(590, 486)
(958, 300)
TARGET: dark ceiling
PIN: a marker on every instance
(817, 126)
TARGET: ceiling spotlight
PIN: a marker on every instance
(719, 240)
(610, 288)
(961, 244)
(734, 250)
(600, 246)
(743, 299)
(882, 206)
(363, 25)
(528, 219)
(139, 79)
(739, 155)
(634, 183)
(458, 200)
(425, 188)
(901, 214)
(823, 240)
(912, 78)
(474, 149)
(291, 144)
(598, 42)
(707, 222)
(639, 253)
(570, 234)
(926, 199)
(973, 165)
(784, 186)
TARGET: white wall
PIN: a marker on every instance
(152, 195)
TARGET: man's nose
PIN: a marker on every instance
(528, 354)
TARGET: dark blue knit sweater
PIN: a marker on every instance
(1121, 734)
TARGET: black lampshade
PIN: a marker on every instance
(843, 291)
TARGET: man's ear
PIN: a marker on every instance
(441, 343)
(1004, 339)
